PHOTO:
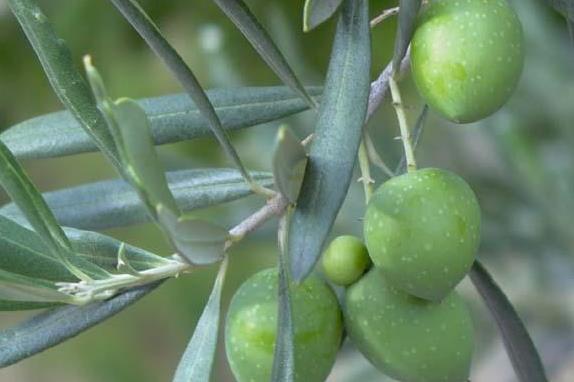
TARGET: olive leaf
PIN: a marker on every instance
(151, 34)
(565, 7)
(336, 139)
(284, 353)
(197, 360)
(238, 12)
(317, 12)
(408, 12)
(172, 118)
(289, 161)
(55, 326)
(25, 254)
(114, 203)
(16, 287)
(61, 71)
(29, 200)
(198, 241)
(519, 345)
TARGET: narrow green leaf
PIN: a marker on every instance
(16, 287)
(53, 327)
(61, 71)
(289, 161)
(29, 200)
(284, 353)
(113, 203)
(519, 345)
(336, 140)
(141, 22)
(417, 133)
(124, 265)
(140, 154)
(197, 360)
(24, 253)
(198, 241)
(239, 13)
(173, 118)
(316, 12)
(408, 12)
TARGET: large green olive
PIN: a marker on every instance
(251, 328)
(467, 56)
(422, 230)
(345, 260)
(407, 338)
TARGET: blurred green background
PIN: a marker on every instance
(519, 161)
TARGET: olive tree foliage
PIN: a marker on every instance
(52, 256)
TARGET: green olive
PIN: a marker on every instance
(251, 328)
(422, 230)
(345, 260)
(407, 338)
(467, 57)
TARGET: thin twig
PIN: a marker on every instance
(374, 156)
(403, 125)
(365, 168)
(383, 16)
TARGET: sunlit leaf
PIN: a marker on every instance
(197, 360)
(317, 12)
(289, 160)
(173, 118)
(519, 345)
(114, 203)
(336, 139)
(198, 241)
(55, 326)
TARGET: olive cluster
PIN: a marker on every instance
(421, 231)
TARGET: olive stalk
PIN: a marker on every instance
(364, 166)
(403, 125)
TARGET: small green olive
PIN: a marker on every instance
(407, 338)
(467, 56)
(345, 260)
(251, 328)
(422, 230)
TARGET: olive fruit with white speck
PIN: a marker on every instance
(407, 338)
(345, 260)
(422, 231)
(251, 328)
(467, 57)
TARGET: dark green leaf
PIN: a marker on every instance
(289, 160)
(336, 140)
(284, 353)
(198, 241)
(113, 203)
(519, 345)
(29, 200)
(141, 22)
(173, 118)
(408, 12)
(245, 21)
(61, 71)
(50, 328)
(197, 360)
(317, 12)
